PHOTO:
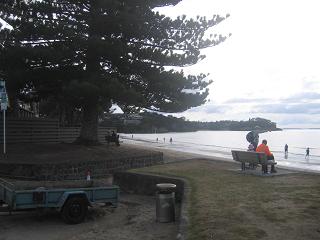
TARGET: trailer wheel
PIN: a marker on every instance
(74, 210)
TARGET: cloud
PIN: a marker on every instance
(304, 96)
(211, 108)
(246, 100)
(302, 108)
(299, 121)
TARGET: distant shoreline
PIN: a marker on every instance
(212, 130)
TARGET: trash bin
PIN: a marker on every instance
(165, 202)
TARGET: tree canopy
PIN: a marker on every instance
(88, 54)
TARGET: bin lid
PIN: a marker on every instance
(166, 186)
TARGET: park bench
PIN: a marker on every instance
(253, 158)
(113, 138)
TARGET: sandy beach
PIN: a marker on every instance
(177, 156)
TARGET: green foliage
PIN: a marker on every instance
(104, 52)
(153, 122)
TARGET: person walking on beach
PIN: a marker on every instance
(171, 140)
(286, 151)
(307, 153)
(263, 148)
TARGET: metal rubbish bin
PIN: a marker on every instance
(165, 209)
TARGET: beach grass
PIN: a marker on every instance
(224, 204)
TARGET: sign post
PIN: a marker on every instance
(4, 106)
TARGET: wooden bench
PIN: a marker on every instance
(253, 158)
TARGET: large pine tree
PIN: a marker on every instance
(88, 54)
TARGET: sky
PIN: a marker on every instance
(269, 66)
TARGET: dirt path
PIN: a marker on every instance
(133, 219)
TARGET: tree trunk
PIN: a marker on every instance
(89, 128)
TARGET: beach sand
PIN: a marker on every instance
(171, 156)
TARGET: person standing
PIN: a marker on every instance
(307, 152)
(171, 140)
(263, 148)
(286, 149)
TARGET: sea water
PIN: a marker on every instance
(220, 144)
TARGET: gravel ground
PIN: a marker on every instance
(133, 219)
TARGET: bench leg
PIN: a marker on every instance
(264, 168)
(243, 166)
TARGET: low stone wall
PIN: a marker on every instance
(146, 184)
(78, 170)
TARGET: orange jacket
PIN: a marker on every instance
(264, 149)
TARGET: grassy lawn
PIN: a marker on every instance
(224, 204)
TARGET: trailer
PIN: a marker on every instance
(70, 198)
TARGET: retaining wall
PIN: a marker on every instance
(78, 170)
(146, 184)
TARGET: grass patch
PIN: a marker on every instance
(226, 205)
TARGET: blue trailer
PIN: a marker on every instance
(70, 198)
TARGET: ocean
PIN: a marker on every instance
(220, 144)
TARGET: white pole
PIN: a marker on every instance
(4, 131)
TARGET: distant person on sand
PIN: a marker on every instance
(164, 139)
(171, 140)
(157, 139)
(265, 149)
(286, 151)
(307, 153)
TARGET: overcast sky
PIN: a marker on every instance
(269, 67)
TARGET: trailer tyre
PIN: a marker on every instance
(75, 210)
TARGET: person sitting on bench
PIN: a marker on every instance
(113, 138)
(263, 148)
